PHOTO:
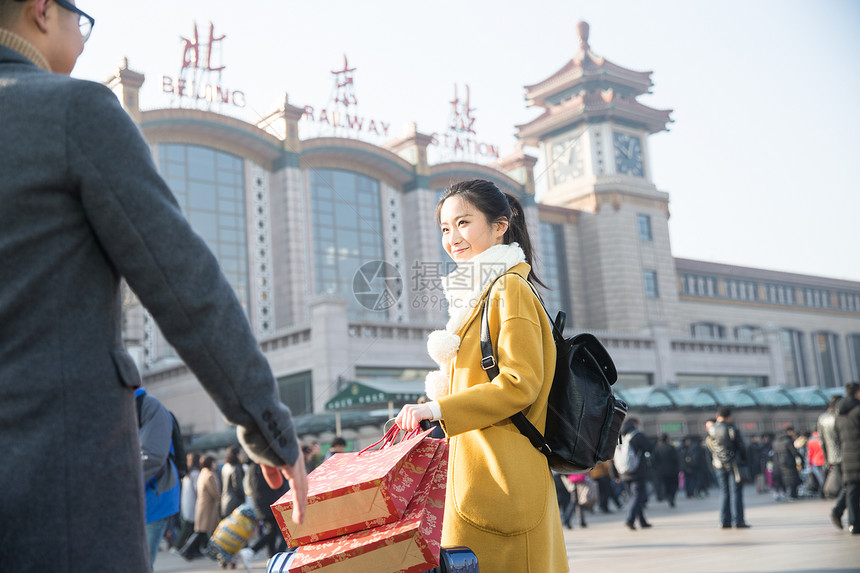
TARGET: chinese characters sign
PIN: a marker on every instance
(199, 79)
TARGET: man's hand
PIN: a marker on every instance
(297, 476)
(411, 415)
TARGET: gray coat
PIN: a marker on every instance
(81, 205)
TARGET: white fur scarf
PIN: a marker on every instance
(463, 290)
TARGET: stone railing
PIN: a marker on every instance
(388, 331)
(719, 347)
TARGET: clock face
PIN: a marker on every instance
(567, 162)
(628, 154)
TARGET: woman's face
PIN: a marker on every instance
(465, 230)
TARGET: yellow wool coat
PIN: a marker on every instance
(501, 500)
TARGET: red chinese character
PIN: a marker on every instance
(191, 50)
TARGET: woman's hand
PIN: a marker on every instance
(412, 414)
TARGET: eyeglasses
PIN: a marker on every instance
(85, 21)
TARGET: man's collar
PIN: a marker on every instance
(15, 42)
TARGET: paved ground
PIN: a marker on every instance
(786, 537)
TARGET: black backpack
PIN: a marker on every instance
(584, 417)
(178, 454)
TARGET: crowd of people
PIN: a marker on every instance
(85, 205)
(213, 489)
(822, 462)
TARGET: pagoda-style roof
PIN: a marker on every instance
(585, 71)
(589, 88)
(594, 107)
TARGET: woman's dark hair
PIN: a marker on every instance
(495, 205)
(193, 460)
(232, 455)
(207, 462)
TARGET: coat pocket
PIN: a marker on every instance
(499, 482)
(126, 369)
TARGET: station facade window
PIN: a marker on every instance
(347, 220)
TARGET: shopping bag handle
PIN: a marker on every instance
(390, 437)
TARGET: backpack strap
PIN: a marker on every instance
(488, 363)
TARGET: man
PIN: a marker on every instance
(832, 455)
(848, 432)
(160, 478)
(82, 207)
(728, 453)
(666, 468)
(338, 446)
(754, 453)
(636, 480)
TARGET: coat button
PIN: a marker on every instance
(267, 415)
(282, 442)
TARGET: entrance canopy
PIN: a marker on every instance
(365, 394)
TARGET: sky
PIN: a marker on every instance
(761, 160)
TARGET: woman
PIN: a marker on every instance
(206, 510)
(188, 498)
(501, 499)
(232, 478)
(786, 462)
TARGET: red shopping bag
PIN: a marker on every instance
(354, 491)
(410, 545)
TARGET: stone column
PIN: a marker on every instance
(777, 357)
(330, 356)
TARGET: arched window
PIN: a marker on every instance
(209, 187)
(794, 357)
(747, 333)
(826, 352)
(854, 355)
(347, 225)
(553, 270)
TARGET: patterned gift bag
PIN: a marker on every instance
(410, 545)
(354, 491)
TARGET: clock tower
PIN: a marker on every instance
(592, 129)
(593, 138)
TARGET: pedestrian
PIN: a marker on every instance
(766, 463)
(500, 495)
(694, 465)
(786, 462)
(313, 458)
(83, 209)
(728, 454)
(338, 446)
(816, 461)
(232, 479)
(833, 455)
(848, 432)
(563, 494)
(262, 497)
(575, 485)
(754, 457)
(636, 481)
(187, 500)
(707, 477)
(160, 476)
(666, 468)
(606, 491)
(207, 511)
